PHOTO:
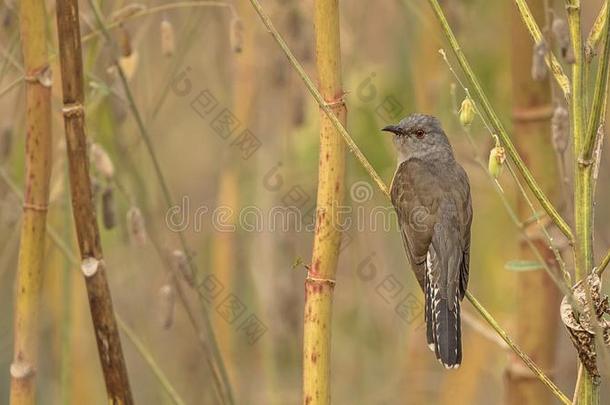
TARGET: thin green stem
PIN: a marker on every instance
(596, 32)
(481, 98)
(528, 362)
(551, 61)
(604, 263)
(384, 189)
(601, 89)
(135, 340)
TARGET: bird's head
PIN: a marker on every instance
(418, 135)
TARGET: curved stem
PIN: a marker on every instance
(551, 61)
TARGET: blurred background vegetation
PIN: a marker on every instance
(391, 67)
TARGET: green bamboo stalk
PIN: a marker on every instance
(583, 204)
(551, 61)
(87, 230)
(384, 189)
(320, 282)
(479, 96)
(32, 19)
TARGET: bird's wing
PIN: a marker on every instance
(415, 193)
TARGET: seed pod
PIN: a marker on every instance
(129, 64)
(167, 299)
(538, 62)
(124, 41)
(560, 126)
(168, 44)
(237, 34)
(467, 112)
(497, 156)
(136, 226)
(101, 161)
(180, 266)
(108, 210)
(561, 32)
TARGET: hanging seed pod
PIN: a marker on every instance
(108, 210)
(129, 64)
(538, 62)
(101, 161)
(167, 301)
(561, 33)
(497, 156)
(560, 127)
(467, 112)
(237, 34)
(124, 41)
(180, 266)
(136, 226)
(168, 44)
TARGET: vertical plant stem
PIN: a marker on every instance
(87, 231)
(598, 104)
(33, 225)
(320, 282)
(537, 297)
(583, 205)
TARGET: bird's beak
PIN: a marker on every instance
(391, 128)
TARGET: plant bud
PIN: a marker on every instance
(101, 161)
(538, 61)
(167, 299)
(561, 32)
(237, 34)
(168, 44)
(137, 228)
(180, 266)
(497, 156)
(108, 211)
(467, 112)
(560, 126)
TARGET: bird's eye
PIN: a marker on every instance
(420, 133)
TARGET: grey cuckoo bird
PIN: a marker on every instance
(431, 195)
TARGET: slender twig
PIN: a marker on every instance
(211, 339)
(603, 264)
(551, 61)
(383, 188)
(596, 32)
(159, 9)
(481, 98)
(87, 230)
(37, 159)
(601, 89)
(167, 386)
(528, 362)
